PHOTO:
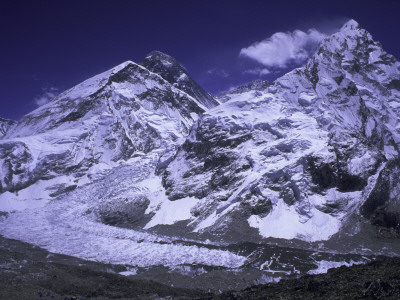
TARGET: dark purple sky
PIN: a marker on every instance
(49, 45)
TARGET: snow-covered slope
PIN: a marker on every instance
(296, 159)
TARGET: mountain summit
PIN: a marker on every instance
(169, 69)
(350, 25)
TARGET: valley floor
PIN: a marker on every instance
(29, 272)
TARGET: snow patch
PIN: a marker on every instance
(35, 196)
(285, 222)
(171, 212)
(325, 265)
(129, 272)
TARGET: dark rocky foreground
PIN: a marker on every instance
(28, 272)
(379, 279)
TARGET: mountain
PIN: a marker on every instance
(169, 69)
(124, 112)
(139, 166)
(303, 156)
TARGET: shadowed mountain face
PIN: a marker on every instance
(5, 125)
(169, 69)
(140, 157)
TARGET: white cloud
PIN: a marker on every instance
(257, 71)
(283, 48)
(217, 72)
(48, 93)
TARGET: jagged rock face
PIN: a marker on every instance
(170, 70)
(5, 125)
(296, 158)
(125, 112)
(382, 205)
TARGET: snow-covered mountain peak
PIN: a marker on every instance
(352, 30)
(350, 25)
(351, 37)
(169, 69)
(164, 65)
(93, 84)
(161, 57)
(348, 69)
(98, 124)
(86, 88)
(128, 79)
